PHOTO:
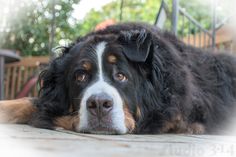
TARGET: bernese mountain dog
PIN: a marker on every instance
(131, 78)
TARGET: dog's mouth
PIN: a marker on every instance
(106, 125)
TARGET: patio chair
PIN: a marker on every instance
(21, 78)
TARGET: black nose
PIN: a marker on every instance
(99, 105)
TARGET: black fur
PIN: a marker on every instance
(171, 82)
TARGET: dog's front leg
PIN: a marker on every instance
(18, 111)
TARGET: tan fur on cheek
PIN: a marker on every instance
(16, 111)
(138, 112)
(129, 120)
(67, 122)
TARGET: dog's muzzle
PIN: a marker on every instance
(102, 111)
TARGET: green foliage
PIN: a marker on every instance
(133, 10)
(28, 31)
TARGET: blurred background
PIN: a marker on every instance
(31, 29)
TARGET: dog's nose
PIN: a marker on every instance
(99, 105)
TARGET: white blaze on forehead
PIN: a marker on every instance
(100, 50)
(101, 86)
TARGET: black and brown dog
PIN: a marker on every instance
(131, 78)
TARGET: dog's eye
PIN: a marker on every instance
(81, 77)
(121, 77)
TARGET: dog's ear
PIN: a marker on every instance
(53, 97)
(136, 44)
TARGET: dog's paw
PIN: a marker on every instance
(196, 128)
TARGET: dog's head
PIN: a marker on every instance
(103, 78)
(97, 77)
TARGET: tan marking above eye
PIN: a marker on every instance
(112, 59)
(87, 66)
(129, 119)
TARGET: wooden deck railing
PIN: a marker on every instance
(225, 40)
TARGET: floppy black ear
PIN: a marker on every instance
(136, 44)
(53, 99)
